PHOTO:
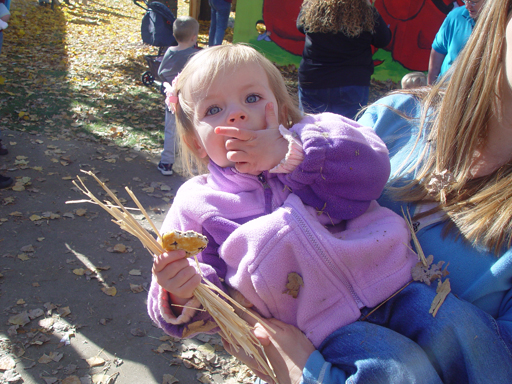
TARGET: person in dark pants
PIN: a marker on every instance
(219, 21)
(337, 64)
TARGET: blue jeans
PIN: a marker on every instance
(402, 342)
(345, 101)
(219, 21)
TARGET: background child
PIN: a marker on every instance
(414, 80)
(267, 229)
(185, 31)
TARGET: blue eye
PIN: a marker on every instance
(252, 98)
(213, 111)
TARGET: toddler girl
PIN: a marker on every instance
(288, 203)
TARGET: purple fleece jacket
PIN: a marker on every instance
(261, 228)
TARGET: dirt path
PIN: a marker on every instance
(59, 268)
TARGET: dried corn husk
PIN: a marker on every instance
(234, 329)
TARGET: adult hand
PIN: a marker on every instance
(255, 151)
(287, 350)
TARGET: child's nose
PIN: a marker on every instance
(237, 116)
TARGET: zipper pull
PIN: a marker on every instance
(263, 180)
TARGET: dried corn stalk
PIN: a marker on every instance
(427, 272)
(234, 329)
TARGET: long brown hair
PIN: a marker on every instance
(350, 17)
(456, 113)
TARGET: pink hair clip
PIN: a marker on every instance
(171, 98)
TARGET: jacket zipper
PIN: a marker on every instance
(327, 260)
(267, 193)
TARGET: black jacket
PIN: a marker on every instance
(334, 60)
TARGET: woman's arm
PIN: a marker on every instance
(434, 66)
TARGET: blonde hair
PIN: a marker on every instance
(455, 117)
(200, 73)
(184, 28)
(414, 80)
(350, 17)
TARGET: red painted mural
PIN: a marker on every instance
(414, 24)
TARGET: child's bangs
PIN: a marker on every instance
(209, 63)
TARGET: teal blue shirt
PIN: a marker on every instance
(453, 36)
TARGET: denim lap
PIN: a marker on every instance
(369, 353)
(459, 341)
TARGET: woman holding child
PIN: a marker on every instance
(451, 157)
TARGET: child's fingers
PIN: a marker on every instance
(179, 278)
(188, 286)
(235, 133)
(270, 116)
(161, 261)
(179, 268)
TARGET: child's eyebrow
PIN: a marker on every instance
(244, 88)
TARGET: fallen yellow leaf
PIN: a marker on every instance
(18, 187)
(95, 361)
(81, 212)
(110, 291)
(121, 248)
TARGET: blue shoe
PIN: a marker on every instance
(5, 182)
(166, 169)
(3, 149)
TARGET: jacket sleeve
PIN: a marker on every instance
(382, 34)
(345, 166)
(165, 71)
(440, 43)
(504, 319)
(192, 320)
